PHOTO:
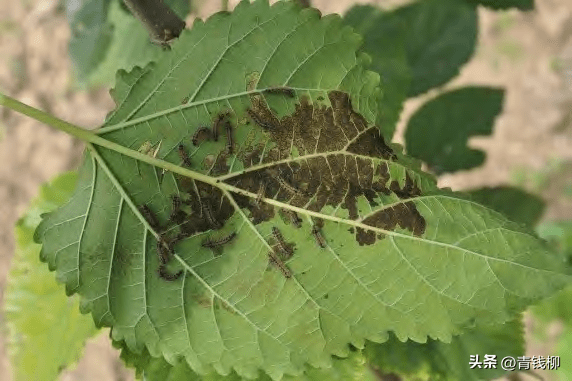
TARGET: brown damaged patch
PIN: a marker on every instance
(404, 215)
(338, 173)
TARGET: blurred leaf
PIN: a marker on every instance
(90, 34)
(106, 38)
(516, 204)
(384, 40)
(352, 368)
(440, 36)
(131, 47)
(46, 331)
(436, 360)
(565, 352)
(523, 5)
(558, 306)
(439, 131)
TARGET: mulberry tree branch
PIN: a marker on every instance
(160, 21)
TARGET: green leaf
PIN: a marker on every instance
(436, 360)
(523, 5)
(46, 332)
(352, 368)
(558, 306)
(439, 131)
(565, 353)
(515, 203)
(116, 40)
(440, 36)
(399, 255)
(384, 40)
(91, 35)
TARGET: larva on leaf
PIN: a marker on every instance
(164, 274)
(273, 259)
(289, 92)
(184, 156)
(200, 135)
(212, 243)
(318, 236)
(284, 247)
(150, 217)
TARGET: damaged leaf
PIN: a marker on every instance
(190, 247)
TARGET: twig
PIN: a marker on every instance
(160, 21)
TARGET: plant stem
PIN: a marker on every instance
(160, 21)
(91, 137)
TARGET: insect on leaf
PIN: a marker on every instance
(399, 255)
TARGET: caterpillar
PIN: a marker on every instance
(284, 247)
(211, 244)
(163, 251)
(318, 236)
(210, 218)
(273, 259)
(184, 100)
(281, 90)
(258, 120)
(294, 219)
(184, 156)
(260, 193)
(290, 188)
(229, 139)
(150, 217)
(163, 273)
(218, 120)
(176, 206)
(200, 135)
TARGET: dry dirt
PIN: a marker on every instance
(530, 55)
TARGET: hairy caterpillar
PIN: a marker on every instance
(200, 135)
(284, 247)
(184, 156)
(258, 120)
(176, 206)
(294, 219)
(217, 122)
(211, 244)
(260, 193)
(209, 215)
(273, 259)
(163, 250)
(281, 90)
(318, 236)
(163, 273)
(150, 217)
(229, 139)
(290, 188)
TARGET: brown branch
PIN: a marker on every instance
(160, 21)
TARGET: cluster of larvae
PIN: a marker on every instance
(280, 251)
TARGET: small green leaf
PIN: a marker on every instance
(377, 248)
(384, 40)
(515, 203)
(439, 131)
(523, 5)
(440, 36)
(436, 360)
(46, 332)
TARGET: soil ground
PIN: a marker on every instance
(530, 55)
